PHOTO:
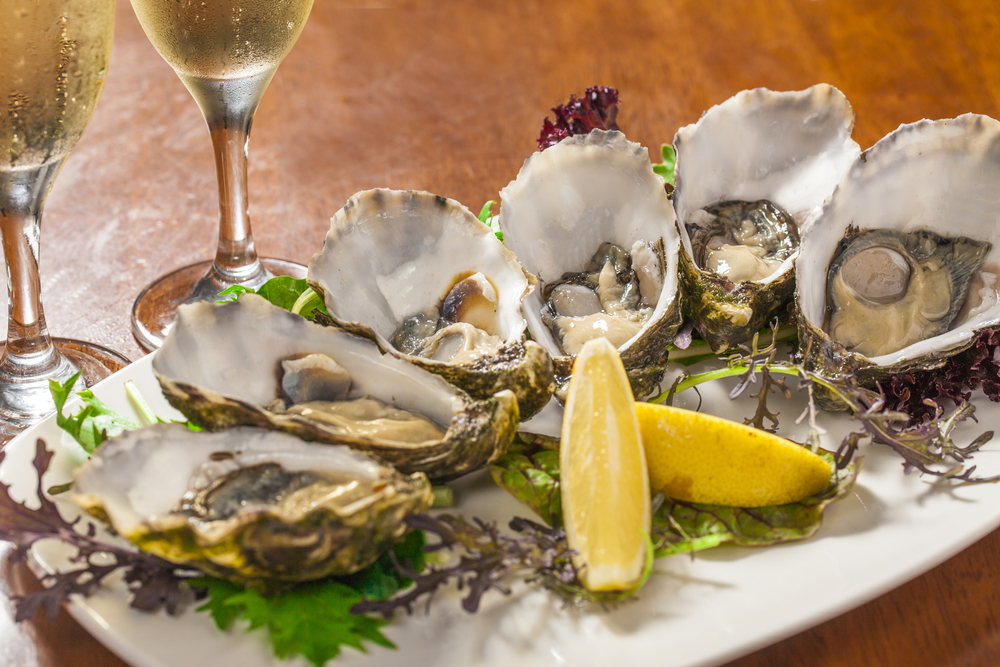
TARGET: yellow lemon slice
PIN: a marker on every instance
(706, 459)
(604, 484)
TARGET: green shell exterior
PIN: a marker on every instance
(479, 434)
(725, 313)
(268, 552)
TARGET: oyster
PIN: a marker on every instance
(900, 270)
(257, 507)
(591, 219)
(422, 276)
(251, 363)
(751, 173)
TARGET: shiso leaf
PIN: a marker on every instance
(680, 527)
(534, 480)
(381, 580)
(313, 619)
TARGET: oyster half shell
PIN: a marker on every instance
(225, 365)
(566, 205)
(257, 507)
(395, 262)
(925, 198)
(778, 155)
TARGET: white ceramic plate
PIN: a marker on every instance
(701, 611)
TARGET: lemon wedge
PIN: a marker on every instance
(705, 459)
(604, 484)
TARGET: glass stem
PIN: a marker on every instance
(236, 256)
(29, 352)
(229, 106)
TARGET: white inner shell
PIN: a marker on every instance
(202, 351)
(790, 148)
(144, 476)
(569, 199)
(936, 175)
(390, 254)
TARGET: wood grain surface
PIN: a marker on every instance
(448, 96)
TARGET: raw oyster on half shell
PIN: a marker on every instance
(258, 507)
(251, 363)
(422, 276)
(751, 173)
(900, 270)
(590, 218)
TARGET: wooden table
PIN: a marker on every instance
(448, 96)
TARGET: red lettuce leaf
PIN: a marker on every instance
(597, 109)
(978, 367)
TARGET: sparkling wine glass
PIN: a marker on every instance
(53, 62)
(225, 52)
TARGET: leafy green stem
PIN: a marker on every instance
(140, 403)
(307, 295)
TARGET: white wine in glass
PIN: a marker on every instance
(53, 63)
(225, 52)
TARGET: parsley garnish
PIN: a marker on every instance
(95, 422)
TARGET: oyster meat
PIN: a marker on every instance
(591, 219)
(260, 508)
(751, 174)
(606, 300)
(744, 240)
(900, 269)
(251, 363)
(888, 289)
(422, 276)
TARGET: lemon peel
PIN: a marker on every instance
(604, 482)
(705, 459)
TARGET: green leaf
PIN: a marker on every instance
(234, 292)
(94, 422)
(292, 294)
(534, 480)
(380, 581)
(312, 620)
(219, 592)
(666, 170)
(484, 217)
(484, 213)
(141, 405)
(531, 475)
(680, 527)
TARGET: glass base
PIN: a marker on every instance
(154, 310)
(25, 401)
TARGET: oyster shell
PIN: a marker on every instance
(258, 507)
(751, 173)
(566, 204)
(224, 365)
(422, 276)
(922, 203)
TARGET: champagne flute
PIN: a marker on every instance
(225, 52)
(53, 62)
